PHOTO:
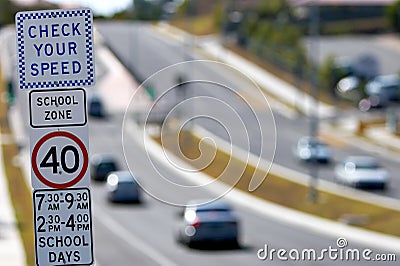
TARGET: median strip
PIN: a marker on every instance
(279, 189)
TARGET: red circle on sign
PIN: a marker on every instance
(81, 146)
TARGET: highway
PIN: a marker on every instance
(148, 52)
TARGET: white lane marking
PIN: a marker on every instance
(132, 240)
(269, 209)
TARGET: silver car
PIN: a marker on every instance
(383, 89)
(312, 149)
(208, 223)
(361, 172)
(122, 187)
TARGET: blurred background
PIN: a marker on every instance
(292, 106)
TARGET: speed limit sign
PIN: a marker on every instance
(60, 160)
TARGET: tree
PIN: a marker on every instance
(148, 10)
(6, 14)
(393, 15)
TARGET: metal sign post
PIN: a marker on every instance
(55, 56)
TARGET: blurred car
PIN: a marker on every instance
(361, 172)
(350, 75)
(211, 222)
(101, 165)
(383, 89)
(122, 187)
(366, 66)
(311, 149)
(349, 88)
(95, 106)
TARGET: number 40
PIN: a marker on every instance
(50, 159)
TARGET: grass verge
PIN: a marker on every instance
(19, 190)
(199, 25)
(281, 191)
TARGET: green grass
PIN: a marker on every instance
(200, 25)
(283, 192)
(20, 192)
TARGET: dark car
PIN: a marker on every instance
(122, 187)
(208, 223)
(101, 165)
(96, 106)
(311, 149)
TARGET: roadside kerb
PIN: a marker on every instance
(374, 140)
(283, 108)
(282, 90)
(382, 136)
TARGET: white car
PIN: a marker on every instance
(361, 172)
(311, 149)
(383, 89)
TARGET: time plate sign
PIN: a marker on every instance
(63, 227)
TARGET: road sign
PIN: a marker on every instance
(63, 227)
(55, 48)
(57, 108)
(59, 160)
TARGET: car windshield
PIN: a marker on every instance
(107, 167)
(320, 145)
(126, 185)
(391, 87)
(213, 210)
(214, 214)
(361, 166)
(311, 142)
(132, 181)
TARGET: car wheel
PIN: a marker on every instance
(235, 243)
(178, 238)
(191, 244)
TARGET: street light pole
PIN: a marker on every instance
(314, 78)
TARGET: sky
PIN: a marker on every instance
(99, 7)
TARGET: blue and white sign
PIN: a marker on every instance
(55, 48)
